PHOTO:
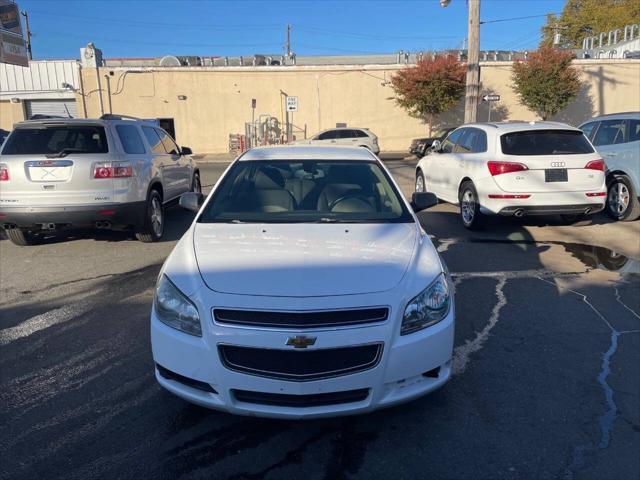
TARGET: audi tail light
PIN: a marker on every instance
(4, 172)
(595, 165)
(112, 170)
(510, 196)
(498, 168)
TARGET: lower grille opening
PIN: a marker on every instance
(300, 365)
(433, 373)
(301, 401)
(189, 382)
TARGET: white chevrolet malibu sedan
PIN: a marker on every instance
(304, 288)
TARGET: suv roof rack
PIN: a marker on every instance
(117, 116)
(42, 116)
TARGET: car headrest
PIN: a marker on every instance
(269, 179)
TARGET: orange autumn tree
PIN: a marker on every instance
(431, 87)
(546, 82)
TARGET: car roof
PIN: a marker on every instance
(346, 128)
(621, 115)
(308, 152)
(77, 121)
(506, 127)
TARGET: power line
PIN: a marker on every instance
(482, 22)
(90, 36)
(343, 33)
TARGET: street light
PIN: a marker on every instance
(473, 60)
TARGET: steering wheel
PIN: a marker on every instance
(349, 196)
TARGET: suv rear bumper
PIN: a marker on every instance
(587, 208)
(132, 213)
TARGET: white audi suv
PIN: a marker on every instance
(515, 169)
(304, 288)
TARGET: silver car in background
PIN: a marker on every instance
(616, 136)
(354, 137)
(115, 172)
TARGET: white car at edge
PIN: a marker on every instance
(515, 169)
(304, 288)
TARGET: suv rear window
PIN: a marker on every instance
(545, 142)
(59, 139)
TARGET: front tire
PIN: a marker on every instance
(196, 186)
(470, 213)
(420, 185)
(154, 219)
(21, 237)
(622, 199)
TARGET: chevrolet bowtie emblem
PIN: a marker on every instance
(301, 341)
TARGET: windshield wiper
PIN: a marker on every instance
(64, 152)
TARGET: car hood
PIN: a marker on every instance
(303, 260)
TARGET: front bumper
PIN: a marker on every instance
(131, 213)
(410, 366)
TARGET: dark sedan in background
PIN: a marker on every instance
(419, 146)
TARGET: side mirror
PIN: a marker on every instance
(436, 146)
(191, 201)
(423, 200)
(186, 151)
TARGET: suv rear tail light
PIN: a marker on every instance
(498, 168)
(595, 165)
(4, 173)
(519, 195)
(112, 170)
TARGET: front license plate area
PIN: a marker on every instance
(556, 175)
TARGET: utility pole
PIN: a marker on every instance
(473, 63)
(473, 60)
(25, 14)
(288, 45)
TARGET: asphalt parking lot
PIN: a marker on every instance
(545, 383)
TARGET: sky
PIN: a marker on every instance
(154, 28)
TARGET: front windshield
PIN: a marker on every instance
(313, 191)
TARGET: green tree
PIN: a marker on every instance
(546, 82)
(583, 18)
(432, 87)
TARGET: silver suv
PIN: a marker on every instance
(114, 172)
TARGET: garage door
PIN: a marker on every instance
(58, 108)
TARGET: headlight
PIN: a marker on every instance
(428, 308)
(173, 308)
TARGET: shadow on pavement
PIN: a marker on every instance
(177, 220)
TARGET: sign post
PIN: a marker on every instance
(253, 110)
(490, 99)
(291, 105)
(12, 47)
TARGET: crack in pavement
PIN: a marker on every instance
(607, 419)
(462, 353)
(619, 300)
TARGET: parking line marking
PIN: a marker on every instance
(40, 322)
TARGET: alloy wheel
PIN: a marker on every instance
(420, 183)
(467, 206)
(619, 198)
(156, 216)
